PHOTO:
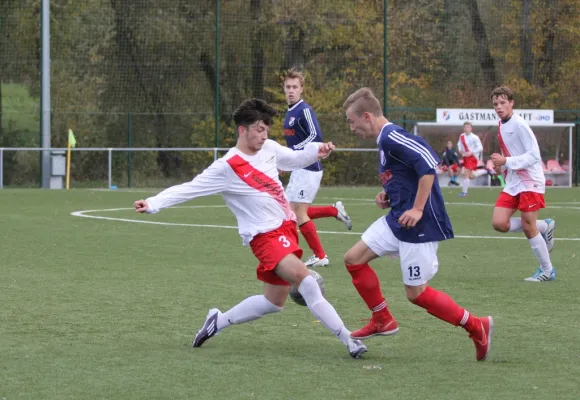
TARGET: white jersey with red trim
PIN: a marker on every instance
(523, 161)
(470, 143)
(250, 185)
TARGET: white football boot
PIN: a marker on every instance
(541, 276)
(314, 262)
(549, 234)
(342, 215)
(356, 348)
(209, 328)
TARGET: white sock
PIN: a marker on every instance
(515, 225)
(322, 309)
(465, 184)
(252, 308)
(542, 225)
(540, 249)
(479, 172)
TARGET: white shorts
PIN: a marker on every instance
(418, 260)
(303, 186)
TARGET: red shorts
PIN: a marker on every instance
(271, 247)
(453, 168)
(524, 201)
(470, 163)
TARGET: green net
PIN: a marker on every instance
(147, 73)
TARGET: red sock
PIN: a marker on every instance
(443, 307)
(366, 282)
(308, 230)
(322, 212)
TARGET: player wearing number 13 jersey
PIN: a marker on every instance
(247, 178)
(411, 231)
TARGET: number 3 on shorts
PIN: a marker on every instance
(285, 243)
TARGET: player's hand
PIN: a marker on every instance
(410, 218)
(141, 206)
(325, 149)
(382, 200)
(498, 160)
(498, 170)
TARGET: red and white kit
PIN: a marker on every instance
(252, 190)
(470, 143)
(525, 180)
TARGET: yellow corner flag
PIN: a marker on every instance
(72, 142)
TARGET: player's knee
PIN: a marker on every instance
(501, 226)
(350, 258)
(413, 292)
(298, 276)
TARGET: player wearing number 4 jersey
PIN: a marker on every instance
(300, 128)
(411, 231)
(247, 178)
(525, 184)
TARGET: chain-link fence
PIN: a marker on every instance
(161, 73)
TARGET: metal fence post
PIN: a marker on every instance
(217, 73)
(385, 57)
(577, 177)
(110, 174)
(129, 153)
(1, 167)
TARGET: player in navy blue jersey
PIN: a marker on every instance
(300, 128)
(450, 163)
(412, 230)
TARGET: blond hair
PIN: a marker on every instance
(293, 73)
(363, 100)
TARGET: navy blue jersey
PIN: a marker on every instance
(301, 127)
(449, 157)
(404, 159)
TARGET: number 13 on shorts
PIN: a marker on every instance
(414, 271)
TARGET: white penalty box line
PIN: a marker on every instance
(88, 214)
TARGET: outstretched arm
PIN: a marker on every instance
(289, 160)
(211, 181)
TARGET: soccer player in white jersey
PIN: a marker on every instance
(470, 148)
(300, 128)
(247, 178)
(525, 184)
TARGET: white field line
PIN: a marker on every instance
(86, 214)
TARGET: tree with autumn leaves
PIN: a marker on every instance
(151, 64)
